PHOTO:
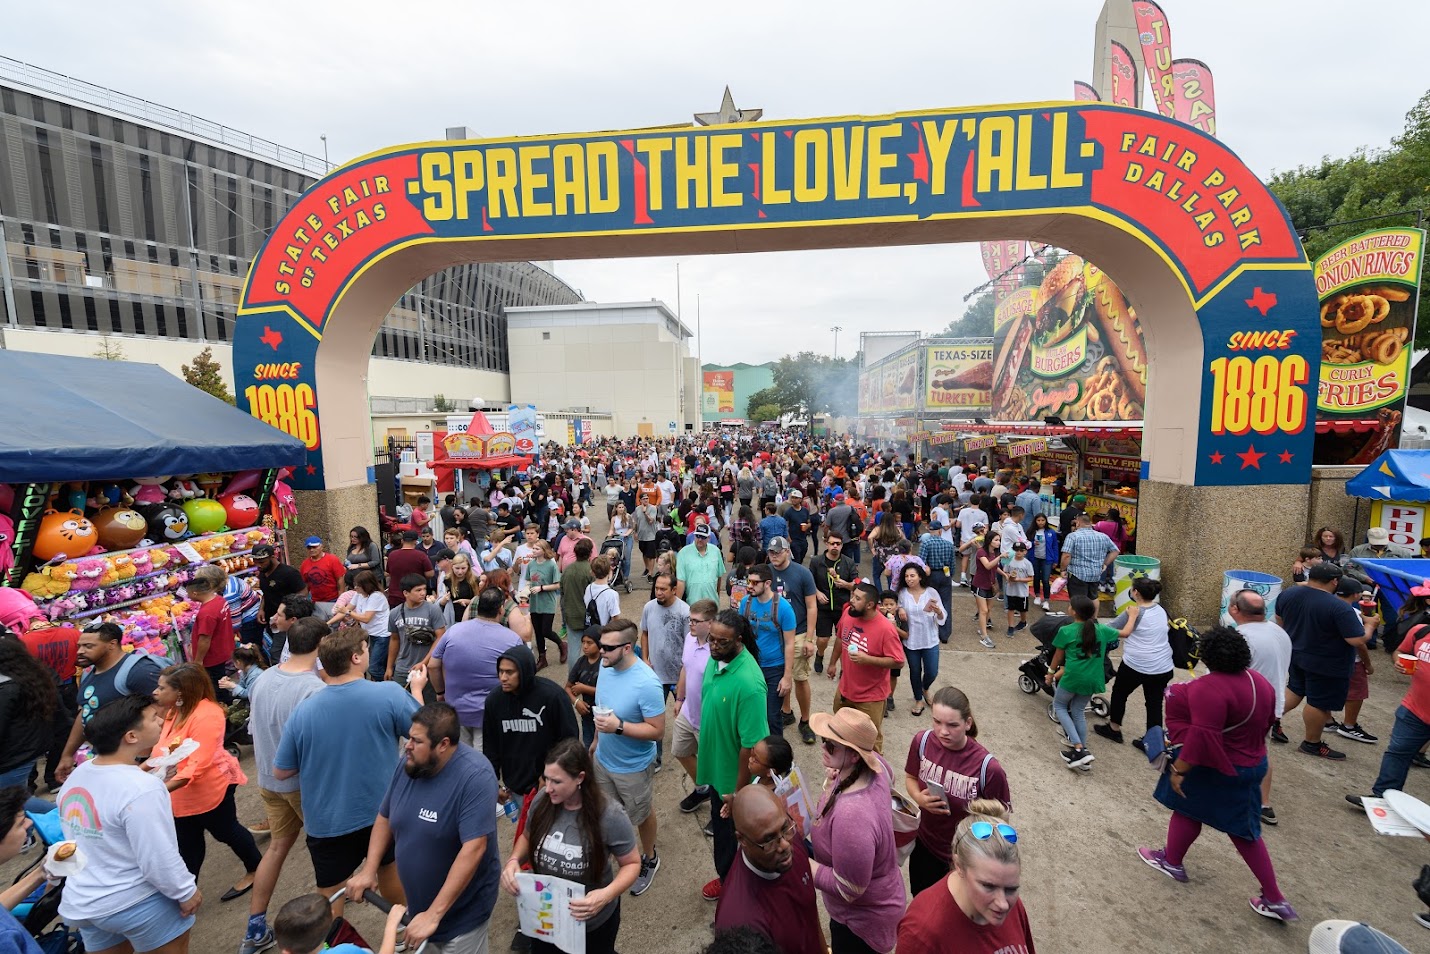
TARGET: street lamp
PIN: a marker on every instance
(326, 164)
(836, 329)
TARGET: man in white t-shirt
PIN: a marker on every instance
(1270, 656)
(667, 491)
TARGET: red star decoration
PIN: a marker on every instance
(311, 470)
(1217, 457)
(271, 338)
(1251, 457)
(1285, 457)
(1261, 301)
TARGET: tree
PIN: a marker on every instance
(206, 374)
(1393, 184)
(765, 412)
(810, 384)
(441, 405)
(762, 398)
(109, 350)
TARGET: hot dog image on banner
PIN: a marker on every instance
(1071, 348)
(959, 375)
(1368, 288)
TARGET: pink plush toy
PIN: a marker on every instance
(88, 573)
(148, 490)
(7, 535)
(17, 609)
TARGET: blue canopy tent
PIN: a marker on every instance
(1394, 475)
(73, 419)
(1395, 579)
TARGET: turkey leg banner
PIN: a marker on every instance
(1224, 240)
(1196, 94)
(1155, 36)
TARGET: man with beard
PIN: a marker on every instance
(439, 816)
(772, 890)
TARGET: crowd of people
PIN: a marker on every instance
(396, 706)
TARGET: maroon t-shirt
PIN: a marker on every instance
(958, 773)
(782, 909)
(399, 564)
(935, 923)
(213, 620)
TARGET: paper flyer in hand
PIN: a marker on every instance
(544, 906)
(1386, 820)
(791, 788)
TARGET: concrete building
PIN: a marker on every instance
(726, 389)
(629, 359)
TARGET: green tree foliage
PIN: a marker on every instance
(977, 318)
(1392, 182)
(765, 397)
(206, 374)
(441, 405)
(765, 412)
(109, 350)
(809, 383)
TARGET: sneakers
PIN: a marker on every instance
(1275, 910)
(698, 796)
(1108, 732)
(250, 946)
(888, 706)
(1045, 606)
(1423, 919)
(1140, 744)
(649, 866)
(819, 664)
(1277, 735)
(1077, 758)
(787, 718)
(987, 643)
(1420, 761)
(1321, 750)
(1157, 858)
(806, 734)
(1021, 625)
(1009, 634)
(1356, 800)
(658, 766)
(1332, 725)
(707, 830)
(1268, 815)
(1357, 733)
(520, 943)
(711, 891)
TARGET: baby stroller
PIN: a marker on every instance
(39, 913)
(342, 931)
(1033, 674)
(614, 548)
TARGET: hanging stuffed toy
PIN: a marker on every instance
(148, 490)
(68, 533)
(7, 536)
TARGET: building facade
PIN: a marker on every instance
(726, 389)
(128, 229)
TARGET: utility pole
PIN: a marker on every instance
(326, 164)
(836, 329)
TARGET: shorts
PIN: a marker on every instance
(1017, 604)
(1359, 687)
(285, 812)
(631, 789)
(148, 925)
(685, 738)
(648, 548)
(824, 623)
(1327, 693)
(471, 737)
(981, 593)
(803, 665)
(473, 942)
(335, 859)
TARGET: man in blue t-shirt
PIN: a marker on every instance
(630, 717)
(773, 621)
(772, 526)
(439, 814)
(341, 740)
(796, 584)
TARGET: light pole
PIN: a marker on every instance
(836, 329)
(326, 164)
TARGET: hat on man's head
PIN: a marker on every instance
(571, 524)
(1079, 498)
(1349, 586)
(1020, 545)
(314, 541)
(262, 550)
(796, 495)
(1377, 537)
(778, 545)
(702, 530)
(1324, 572)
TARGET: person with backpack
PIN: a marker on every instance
(601, 599)
(772, 618)
(1146, 658)
(112, 674)
(946, 771)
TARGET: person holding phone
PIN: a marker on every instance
(947, 769)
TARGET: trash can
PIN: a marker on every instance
(1125, 569)
(1264, 583)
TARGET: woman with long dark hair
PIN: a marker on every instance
(922, 610)
(903, 509)
(987, 557)
(27, 701)
(883, 542)
(1331, 544)
(1146, 658)
(568, 813)
(1078, 667)
(363, 554)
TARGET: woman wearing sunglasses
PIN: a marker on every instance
(855, 865)
(976, 908)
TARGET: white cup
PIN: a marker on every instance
(602, 711)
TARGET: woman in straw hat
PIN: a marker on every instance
(855, 865)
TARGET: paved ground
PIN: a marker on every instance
(1083, 884)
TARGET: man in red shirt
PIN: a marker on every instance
(211, 641)
(57, 648)
(769, 888)
(869, 648)
(400, 562)
(323, 573)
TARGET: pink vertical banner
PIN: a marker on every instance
(1085, 92)
(1124, 76)
(1196, 95)
(1155, 35)
(1005, 256)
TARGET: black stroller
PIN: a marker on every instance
(1033, 674)
(614, 549)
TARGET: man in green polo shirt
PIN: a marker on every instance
(732, 722)
(699, 569)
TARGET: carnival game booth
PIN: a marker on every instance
(1397, 483)
(467, 462)
(119, 480)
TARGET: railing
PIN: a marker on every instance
(48, 81)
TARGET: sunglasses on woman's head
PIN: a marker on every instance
(984, 830)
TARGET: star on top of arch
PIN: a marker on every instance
(728, 113)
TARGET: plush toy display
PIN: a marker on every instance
(66, 533)
(241, 510)
(119, 528)
(205, 516)
(184, 488)
(148, 490)
(89, 573)
(7, 536)
(167, 523)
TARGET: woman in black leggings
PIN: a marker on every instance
(1146, 658)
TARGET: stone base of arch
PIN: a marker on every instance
(330, 514)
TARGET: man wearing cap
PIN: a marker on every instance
(1067, 520)
(801, 524)
(983, 483)
(834, 578)
(699, 569)
(1325, 633)
(566, 548)
(1087, 552)
(796, 584)
(773, 621)
(771, 889)
(323, 573)
(277, 580)
(1377, 546)
(869, 648)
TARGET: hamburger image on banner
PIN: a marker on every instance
(1071, 348)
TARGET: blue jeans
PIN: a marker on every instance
(1040, 577)
(377, 657)
(1071, 710)
(923, 670)
(1406, 737)
(628, 544)
(19, 777)
(773, 702)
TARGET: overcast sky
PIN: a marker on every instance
(1295, 80)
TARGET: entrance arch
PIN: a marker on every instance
(1199, 245)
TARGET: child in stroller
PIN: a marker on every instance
(615, 548)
